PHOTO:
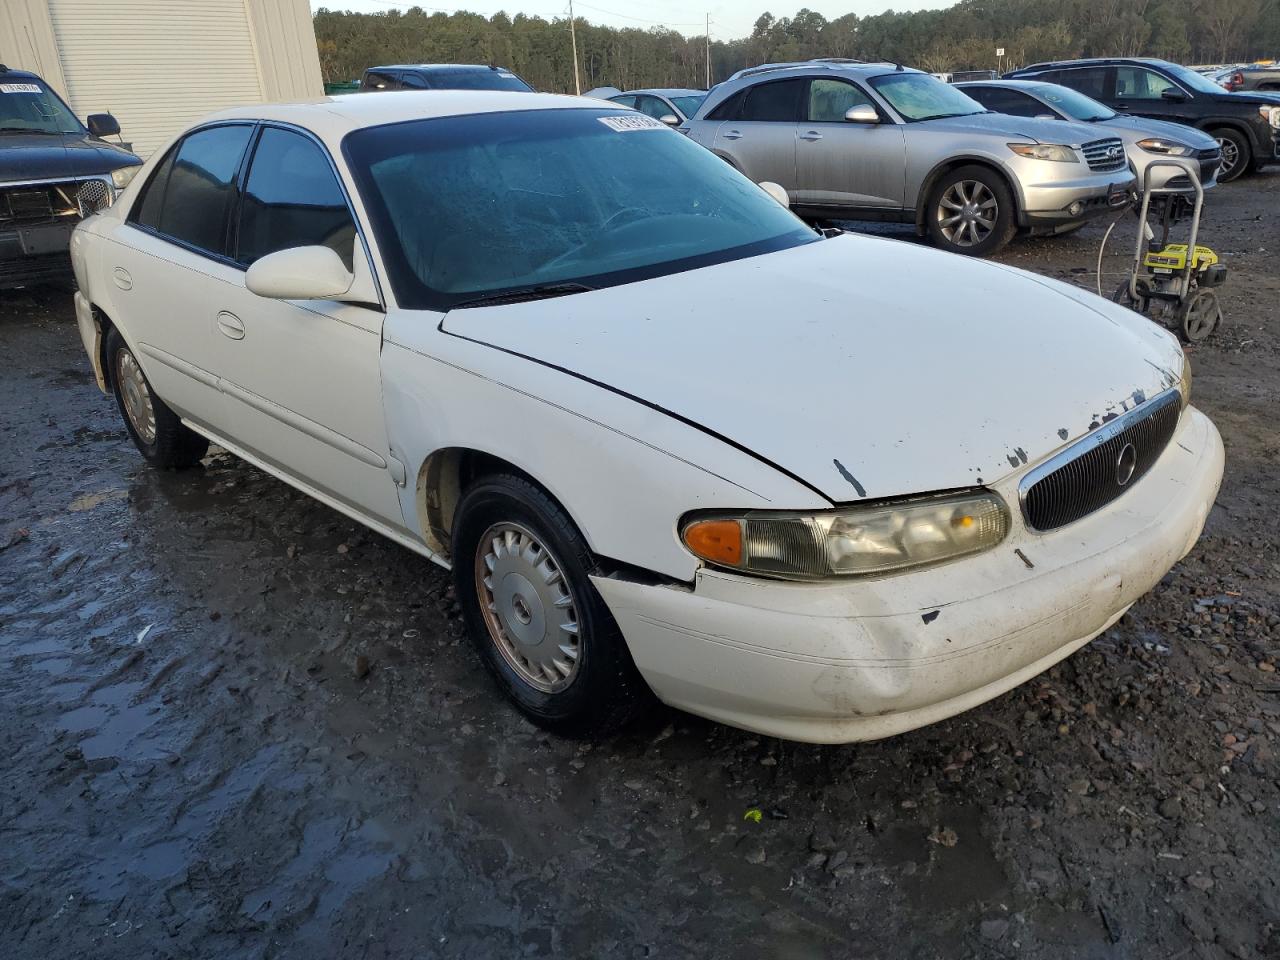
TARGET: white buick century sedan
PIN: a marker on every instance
(666, 437)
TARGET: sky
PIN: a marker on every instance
(730, 19)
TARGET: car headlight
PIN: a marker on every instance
(1046, 151)
(1270, 114)
(1184, 384)
(852, 541)
(1168, 148)
(122, 176)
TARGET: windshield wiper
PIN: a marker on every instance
(51, 133)
(543, 291)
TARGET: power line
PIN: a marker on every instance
(627, 16)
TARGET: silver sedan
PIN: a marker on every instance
(1144, 139)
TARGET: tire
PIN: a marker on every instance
(982, 205)
(1235, 145)
(163, 439)
(521, 573)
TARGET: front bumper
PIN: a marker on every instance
(833, 663)
(34, 253)
(1046, 204)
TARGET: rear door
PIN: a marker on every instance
(170, 262)
(761, 139)
(839, 163)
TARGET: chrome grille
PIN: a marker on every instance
(1104, 155)
(1099, 468)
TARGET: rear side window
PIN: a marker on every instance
(375, 80)
(830, 100)
(292, 199)
(778, 101)
(191, 195)
(413, 81)
(1091, 81)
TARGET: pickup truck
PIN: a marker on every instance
(54, 172)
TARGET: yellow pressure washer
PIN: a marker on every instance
(1165, 283)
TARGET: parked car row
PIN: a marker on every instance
(553, 345)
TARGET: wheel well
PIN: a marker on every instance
(441, 481)
(940, 171)
(1210, 128)
(105, 326)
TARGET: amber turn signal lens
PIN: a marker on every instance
(719, 541)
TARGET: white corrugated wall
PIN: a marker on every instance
(158, 65)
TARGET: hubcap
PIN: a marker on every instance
(528, 607)
(136, 396)
(1230, 155)
(967, 213)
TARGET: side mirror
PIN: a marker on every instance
(862, 113)
(102, 125)
(670, 119)
(1177, 96)
(299, 273)
(777, 191)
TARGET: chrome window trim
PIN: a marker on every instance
(1086, 443)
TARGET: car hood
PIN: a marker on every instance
(1016, 128)
(1249, 96)
(42, 156)
(1160, 128)
(866, 367)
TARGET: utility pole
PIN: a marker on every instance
(708, 51)
(573, 37)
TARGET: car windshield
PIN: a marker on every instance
(1074, 104)
(475, 206)
(476, 80)
(689, 105)
(1189, 78)
(28, 106)
(918, 96)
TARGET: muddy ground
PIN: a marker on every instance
(193, 768)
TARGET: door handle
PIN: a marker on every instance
(732, 135)
(811, 135)
(120, 277)
(230, 325)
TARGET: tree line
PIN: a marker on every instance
(961, 37)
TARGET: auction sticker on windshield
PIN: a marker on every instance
(628, 124)
(19, 88)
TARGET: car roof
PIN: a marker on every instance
(857, 68)
(1086, 62)
(10, 73)
(1015, 84)
(665, 92)
(428, 67)
(332, 117)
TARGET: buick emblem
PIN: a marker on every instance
(1126, 463)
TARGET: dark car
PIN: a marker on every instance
(1255, 77)
(1245, 124)
(442, 76)
(54, 171)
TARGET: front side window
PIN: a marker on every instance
(473, 206)
(375, 80)
(830, 100)
(652, 107)
(292, 199)
(918, 96)
(413, 81)
(777, 101)
(1138, 83)
(191, 194)
(28, 106)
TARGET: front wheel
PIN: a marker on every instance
(157, 431)
(1237, 155)
(522, 574)
(970, 211)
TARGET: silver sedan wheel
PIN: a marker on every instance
(1230, 156)
(967, 213)
(136, 396)
(528, 607)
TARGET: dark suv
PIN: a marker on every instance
(54, 171)
(1246, 125)
(442, 76)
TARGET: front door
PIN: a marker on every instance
(302, 377)
(761, 139)
(844, 164)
